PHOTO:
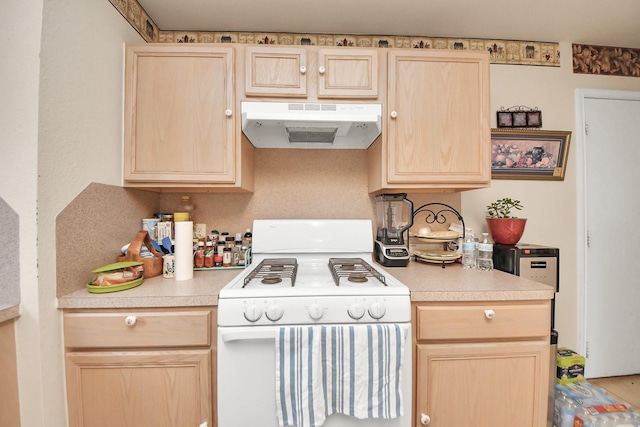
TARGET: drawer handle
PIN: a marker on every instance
(130, 320)
(489, 314)
(425, 419)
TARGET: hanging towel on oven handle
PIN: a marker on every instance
(353, 370)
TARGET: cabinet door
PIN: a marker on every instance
(276, 72)
(497, 385)
(179, 121)
(347, 73)
(439, 126)
(139, 389)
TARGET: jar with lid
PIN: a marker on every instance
(198, 261)
(246, 239)
(187, 206)
(226, 257)
(208, 255)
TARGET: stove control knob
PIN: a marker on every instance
(377, 310)
(274, 312)
(356, 310)
(252, 313)
(316, 311)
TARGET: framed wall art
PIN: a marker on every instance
(519, 117)
(529, 154)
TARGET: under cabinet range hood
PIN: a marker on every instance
(311, 125)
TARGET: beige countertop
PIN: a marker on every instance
(431, 282)
(8, 312)
(427, 283)
(202, 290)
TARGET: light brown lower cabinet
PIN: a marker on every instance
(9, 399)
(481, 364)
(140, 368)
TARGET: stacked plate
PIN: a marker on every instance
(442, 236)
(436, 257)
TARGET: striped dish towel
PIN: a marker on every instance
(351, 370)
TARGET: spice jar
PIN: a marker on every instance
(199, 257)
(208, 255)
(226, 257)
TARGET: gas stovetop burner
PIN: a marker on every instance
(356, 270)
(272, 271)
(357, 278)
(271, 280)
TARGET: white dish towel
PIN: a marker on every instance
(351, 370)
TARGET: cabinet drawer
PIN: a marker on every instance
(494, 320)
(131, 328)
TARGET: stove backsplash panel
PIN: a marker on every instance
(289, 184)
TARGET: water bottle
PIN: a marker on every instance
(485, 253)
(469, 257)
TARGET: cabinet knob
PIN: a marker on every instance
(321, 70)
(303, 69)
(425, 419)
(228, 113)
(130, 320)
(489, 314)
(394, 114)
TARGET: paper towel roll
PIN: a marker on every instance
(184, 250)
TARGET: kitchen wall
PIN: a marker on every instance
(549, 206)
(19, 86)
(61, 115)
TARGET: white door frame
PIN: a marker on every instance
(581, 198)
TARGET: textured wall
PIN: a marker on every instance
(9, 256)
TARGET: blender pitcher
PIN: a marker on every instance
(394, 215)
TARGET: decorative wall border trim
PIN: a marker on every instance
(138, 19)
(606, 60)
(510, 52)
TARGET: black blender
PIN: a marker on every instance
(394, 216)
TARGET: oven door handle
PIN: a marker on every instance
(247, 334)
(265, 333)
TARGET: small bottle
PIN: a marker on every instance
(208, 255)
(469, 251)
(198, 261)
(235, 255)
(226, 257)
(241, 257)
(485, 253)
(246, 239)
(187, 206)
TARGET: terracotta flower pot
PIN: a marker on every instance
(506, 231)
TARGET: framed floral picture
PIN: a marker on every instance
(529, 154)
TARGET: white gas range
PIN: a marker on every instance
(304, 273)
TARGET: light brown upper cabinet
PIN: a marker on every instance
(311, 72)
(437, 131)
(180, 119)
